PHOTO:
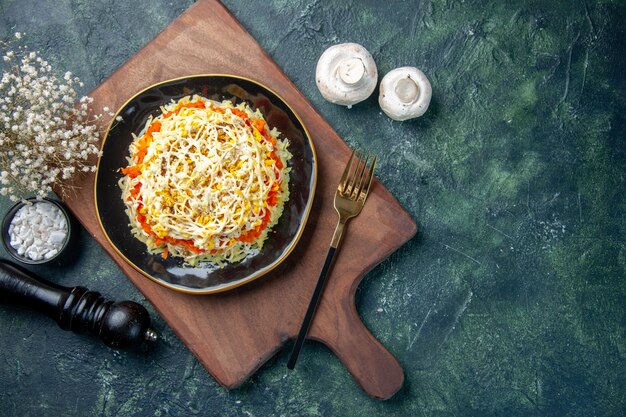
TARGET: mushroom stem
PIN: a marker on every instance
(407, 90)
(351, 70)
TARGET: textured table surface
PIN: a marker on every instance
(511, 299)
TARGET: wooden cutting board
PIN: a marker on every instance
(233, 333)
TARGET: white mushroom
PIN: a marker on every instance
(346, 74)
(404, 93)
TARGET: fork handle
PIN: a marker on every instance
(338, 232)
(310, 312)
(317, 293)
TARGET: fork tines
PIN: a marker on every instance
(358, 175)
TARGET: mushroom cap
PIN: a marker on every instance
(405, 93)
(346, 74)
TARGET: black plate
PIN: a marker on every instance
(285, 234)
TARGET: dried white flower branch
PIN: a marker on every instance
(46, 135)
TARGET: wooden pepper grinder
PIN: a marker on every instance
(119, 325)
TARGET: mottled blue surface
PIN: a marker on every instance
(510, 301)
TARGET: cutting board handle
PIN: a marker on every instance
(375, 369)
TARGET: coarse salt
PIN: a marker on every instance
(38, 231)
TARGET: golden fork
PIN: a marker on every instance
(349, 200)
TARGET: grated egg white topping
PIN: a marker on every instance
(206, 181)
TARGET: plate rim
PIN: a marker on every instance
(257, 274)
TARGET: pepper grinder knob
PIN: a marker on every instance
(120, 325)
(126, 324)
